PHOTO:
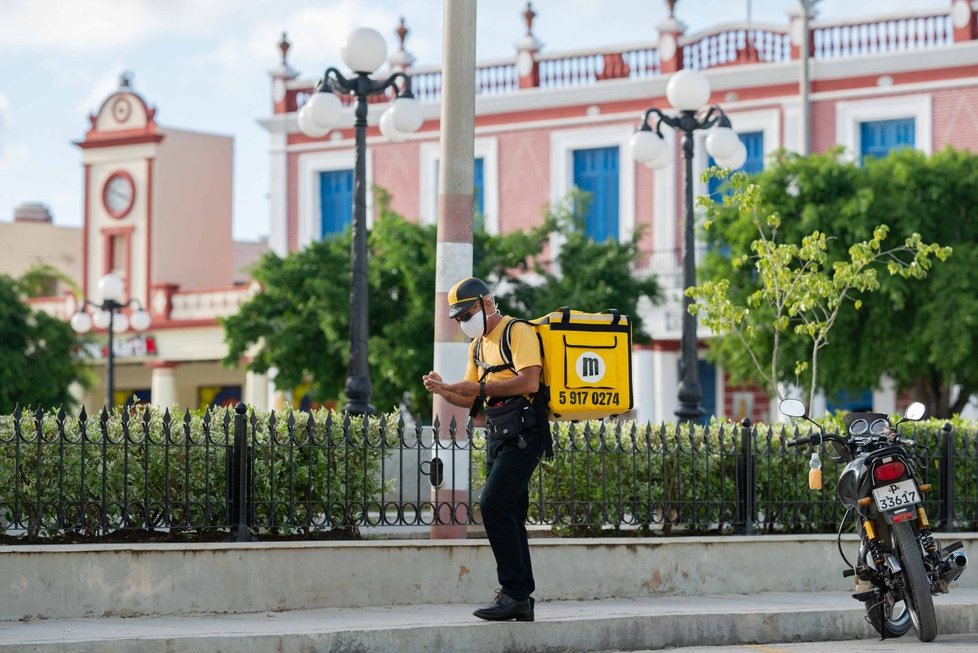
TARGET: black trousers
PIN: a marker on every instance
(504, 503)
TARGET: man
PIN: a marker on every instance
(515, 441)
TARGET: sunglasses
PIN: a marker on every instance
(468, 315)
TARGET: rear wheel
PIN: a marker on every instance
(893, 619)
(888, 618)
(916, 586)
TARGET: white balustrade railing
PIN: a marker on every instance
(208, 304)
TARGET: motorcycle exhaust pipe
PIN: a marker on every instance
(954, 565)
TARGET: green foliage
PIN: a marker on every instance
(38, 353)
(143, 470)
(655, 479)
(794, 272)
(38, 279)
(299, 323)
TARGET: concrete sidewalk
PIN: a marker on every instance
(600, 625)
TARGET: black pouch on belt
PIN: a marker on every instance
(512, 419)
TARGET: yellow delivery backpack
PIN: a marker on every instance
(587, 362)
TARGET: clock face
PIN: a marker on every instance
(118, 194)
(121, 110)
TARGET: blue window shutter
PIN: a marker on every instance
(335, 201)
(856, 400)
(708, 388)
(754, 142)
(478, 193)
(596, 173)
(478, 196)
(877, 138)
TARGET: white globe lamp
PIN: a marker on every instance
(388, 130)
(688, 90)
(646, 145)
(139, 320)
(324, 109)
(364, 50)
(722, 142)
(308, 126)
(735, 160)
(406, 115)
(110, 288)
(120, 324)
(81, 322)
(101, 319)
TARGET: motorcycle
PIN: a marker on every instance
(899, 565)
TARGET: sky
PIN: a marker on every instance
(204, 65)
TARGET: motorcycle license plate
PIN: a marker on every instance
(896, 495)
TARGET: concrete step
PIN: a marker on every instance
(560, 626)
(100, 580)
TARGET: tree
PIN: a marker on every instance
(914, 330)
(38, 353)
(40, 279)
(299, 322)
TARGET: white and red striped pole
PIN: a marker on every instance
(454, 255)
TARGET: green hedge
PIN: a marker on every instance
(140, 470)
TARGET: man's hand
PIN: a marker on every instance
(460, 393)
(433, 382)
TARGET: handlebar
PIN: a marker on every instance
(818, 438)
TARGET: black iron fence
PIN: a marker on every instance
(238, 473)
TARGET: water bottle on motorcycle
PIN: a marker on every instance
(815, 472)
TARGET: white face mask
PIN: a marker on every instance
(475, 326)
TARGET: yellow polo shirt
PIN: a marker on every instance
(523, 343)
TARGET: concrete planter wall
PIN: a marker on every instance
(108, 580)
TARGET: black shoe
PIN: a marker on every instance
(504, 608)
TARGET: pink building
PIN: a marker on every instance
(547, 122)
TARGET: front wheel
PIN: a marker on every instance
(916, 588)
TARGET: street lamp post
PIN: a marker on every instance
(688, 92)
(109, 316)
(363, 52)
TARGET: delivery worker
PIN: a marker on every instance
(514, 442)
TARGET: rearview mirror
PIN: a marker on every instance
(793, 408)
(915, 411)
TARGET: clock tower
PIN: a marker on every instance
(157, 207)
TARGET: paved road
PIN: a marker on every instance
(909, 642)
